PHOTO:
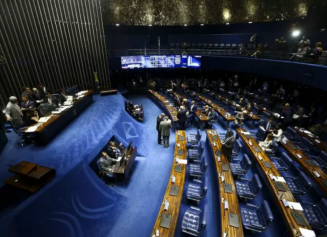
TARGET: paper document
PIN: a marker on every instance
(317, 141)
(44, 119)
(295, 116)
(295, 205)
(307, 233)
(181, 161)
(31, 129)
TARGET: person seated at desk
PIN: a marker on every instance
(135, 110)
(31, 117)
(267, 126)
(239, 118)
(51, 100)
(277, 133)
(14, 113)
(300, 116)
(38, 96)
(28, 93)
(114, 151)
(26, 103)
(266, 144)
(287, 115)
(107, 163)
(206, 110)
(241, 101)
(62, 96)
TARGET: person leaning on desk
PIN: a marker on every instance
(107, 163)
(114, 151)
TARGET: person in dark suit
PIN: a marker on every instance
(114, 151)
(182, 117)
(248, 107)
(106, 163)
(212, 116)
(51, 100)
(62, 96)
(300, 113)
(287, 114)
(38, 96)
(159, 120)
(164, 128)
(28, 93)
(193, 107)
(177, 101)
(27, 104)
(228, 144)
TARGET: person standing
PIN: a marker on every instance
(164, 128)
(228, 144)
(287, 114)
(14, 113)
(159, 120)
(182, 117)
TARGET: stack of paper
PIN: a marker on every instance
(44, 119)
(307, 233)
(32, 129)
(277, 178)
(181, 161)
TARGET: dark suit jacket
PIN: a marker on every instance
(158, 122)
(193, 109)
(29, 105)
(287, 114)
(62, 98)
(38, 95)
(181, 115)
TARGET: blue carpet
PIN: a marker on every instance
(78, 203)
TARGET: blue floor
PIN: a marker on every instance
(78, 203)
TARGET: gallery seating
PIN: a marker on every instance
(194, 221)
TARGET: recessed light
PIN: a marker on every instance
(185, 24)
(250, 22)
(202, 24)
(150, 25)
(117, 24)
(227, 23)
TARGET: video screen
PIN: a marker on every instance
(161, 61)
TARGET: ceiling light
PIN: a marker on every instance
(150, 25)
(227, 23)
(185, 24)
(202, 25)
(296, 33)
(117, 24)
(250, 22)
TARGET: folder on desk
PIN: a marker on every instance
(165, 221)
(280, 186)
(267, 164)
(228, 188)
(233, 220)
(298, 217)
(178, 168)
(311, 163)
(173, 190)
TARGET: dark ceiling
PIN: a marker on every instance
(196, 12)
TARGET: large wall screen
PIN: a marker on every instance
(161, 61)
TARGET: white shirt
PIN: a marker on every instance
(278, 136)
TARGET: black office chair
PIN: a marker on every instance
(24, 138)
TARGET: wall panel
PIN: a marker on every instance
(59, 43)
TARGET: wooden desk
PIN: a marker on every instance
(309, 170)
(231, 198)
(127, 166)
(321, 145)
(48, 130)
(170, 109)
(291, 224)
(250, 116)
(223, 114)
(29, 176)
(174, 201)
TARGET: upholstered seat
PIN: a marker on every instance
(195, 152)
(283, 163)
(256, 218)
(240, 167)
(299, 185)
(316, 214)
(194, 221)
(194, 139)
(321, 159)
(248, 189)
(196, 190)
(198, 168)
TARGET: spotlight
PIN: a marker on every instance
(202, 24)
(250, 22)
(227, 23)
(117, 24)
(185, 24)
(150, 25)
(296, 33)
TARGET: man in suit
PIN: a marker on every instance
(212, 116)
(27, 104)
(182, 117)
(300, 113)
(177, 101)
(114, 151)
(28, 93)
(38, 96)
(164, 128)
(14, 113)
(193, 107)
(62, 96)
(159, 120)
(287, 114)
(106, 163)
(52, 100)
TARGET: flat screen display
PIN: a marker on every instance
(161, 61)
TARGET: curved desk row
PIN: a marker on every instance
(308, 166)
(169, 218)
(199, 114)
(225, 179)
(169, 107)
(226, 116)
(321, 145)
(47, 130)
(279, 189)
